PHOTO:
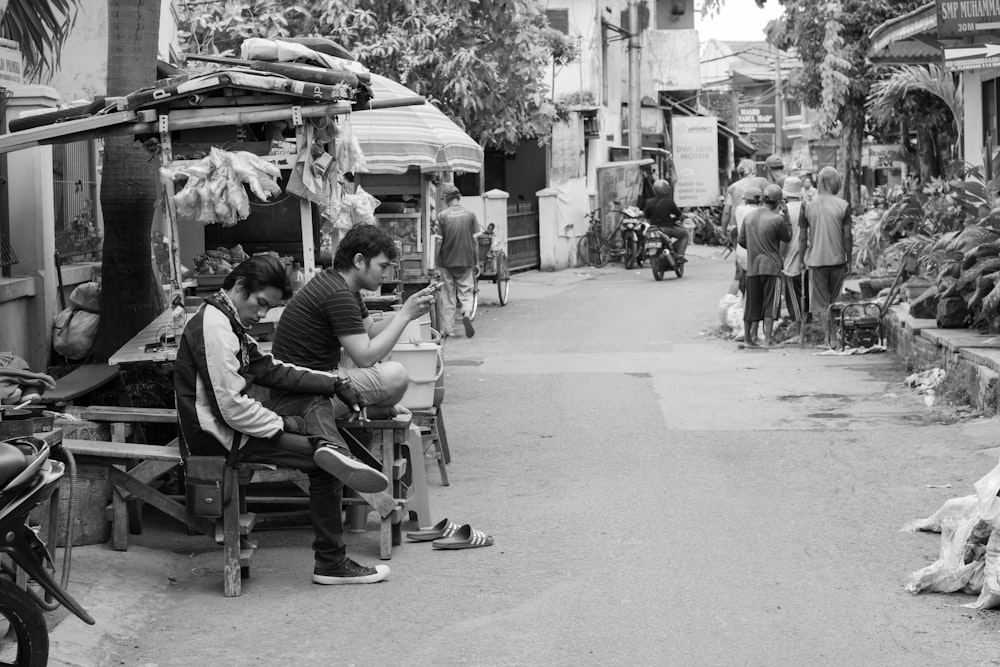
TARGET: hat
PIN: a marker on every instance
(772, 193)
(774, 162)
(792, 187)
(751, 193)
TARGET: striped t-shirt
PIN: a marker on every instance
(309, 330)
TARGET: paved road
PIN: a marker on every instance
(657, 496)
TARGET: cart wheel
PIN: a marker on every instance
(503, 278)
(475, 299)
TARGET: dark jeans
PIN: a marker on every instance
(325, 491)
(680, 237)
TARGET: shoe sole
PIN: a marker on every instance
(469, 330)
(354, 474)
(381, 574)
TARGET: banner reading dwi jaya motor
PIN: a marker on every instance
(696, 160)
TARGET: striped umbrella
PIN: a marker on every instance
(396, 139)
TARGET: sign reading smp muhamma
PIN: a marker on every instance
(696, 159)
(961, 18)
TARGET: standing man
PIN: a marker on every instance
(763, 232)
(662, 212)
(793, 268)
(456, 259)
(827, 242)
(216, 363)
(734, 193)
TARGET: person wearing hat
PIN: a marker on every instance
(763, 232)
(751, 200)
(774, 170)
(734, 193)
(793, 269)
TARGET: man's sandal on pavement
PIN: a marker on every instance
(465, 537)
(443, 528)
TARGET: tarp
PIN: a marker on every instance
(396, 139)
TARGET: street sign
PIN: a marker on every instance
(757, 119)
(10, 65)
(962, 18)
(972, 56)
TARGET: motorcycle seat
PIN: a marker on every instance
(13, 462)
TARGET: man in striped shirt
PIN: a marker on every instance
(328, 315)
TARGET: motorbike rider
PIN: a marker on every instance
(662, 212)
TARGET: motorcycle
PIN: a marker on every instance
(633, 228)
(28, 478)
(661, 255)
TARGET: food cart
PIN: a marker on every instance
(408, 152)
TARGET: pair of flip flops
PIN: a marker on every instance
(447, 534)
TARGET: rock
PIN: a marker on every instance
(952, 313)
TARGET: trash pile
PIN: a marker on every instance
(969, 560)
(927, 383)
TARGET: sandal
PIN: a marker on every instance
(443, 528)
(466, 538)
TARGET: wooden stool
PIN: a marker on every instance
(389, 437)
(431, 422)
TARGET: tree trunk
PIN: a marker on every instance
(852, 137)
(130, 296)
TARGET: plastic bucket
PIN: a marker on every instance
(424, 363)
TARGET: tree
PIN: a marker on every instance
(926, 101)
(40, 28)
(130, 296)
(483, 63)
(832, 38)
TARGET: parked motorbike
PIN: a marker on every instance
(661, 254)
(633, 228)
(28, 478)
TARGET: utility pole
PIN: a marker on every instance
(634, 87)
(779, 103)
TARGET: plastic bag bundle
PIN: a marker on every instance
(989, 595)
(350, 157)
(214, 189)
(725, 303)
(954, 571)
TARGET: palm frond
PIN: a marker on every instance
(886, 95)
(40, 27)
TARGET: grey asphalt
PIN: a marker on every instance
(657, 497)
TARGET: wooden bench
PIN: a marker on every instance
(232, 530)
(84, 380)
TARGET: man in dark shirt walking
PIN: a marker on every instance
(456, 260)
(662, 212)
(763, 231)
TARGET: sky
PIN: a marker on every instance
(739, 20)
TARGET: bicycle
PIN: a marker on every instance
(593, 248)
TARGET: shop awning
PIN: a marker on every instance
(398, 139)
(910, 39)
(743, 148)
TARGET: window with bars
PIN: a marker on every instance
(74, 183)
(8, 257)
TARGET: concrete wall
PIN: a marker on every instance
(972, 132)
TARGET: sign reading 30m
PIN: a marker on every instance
(960, 18)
